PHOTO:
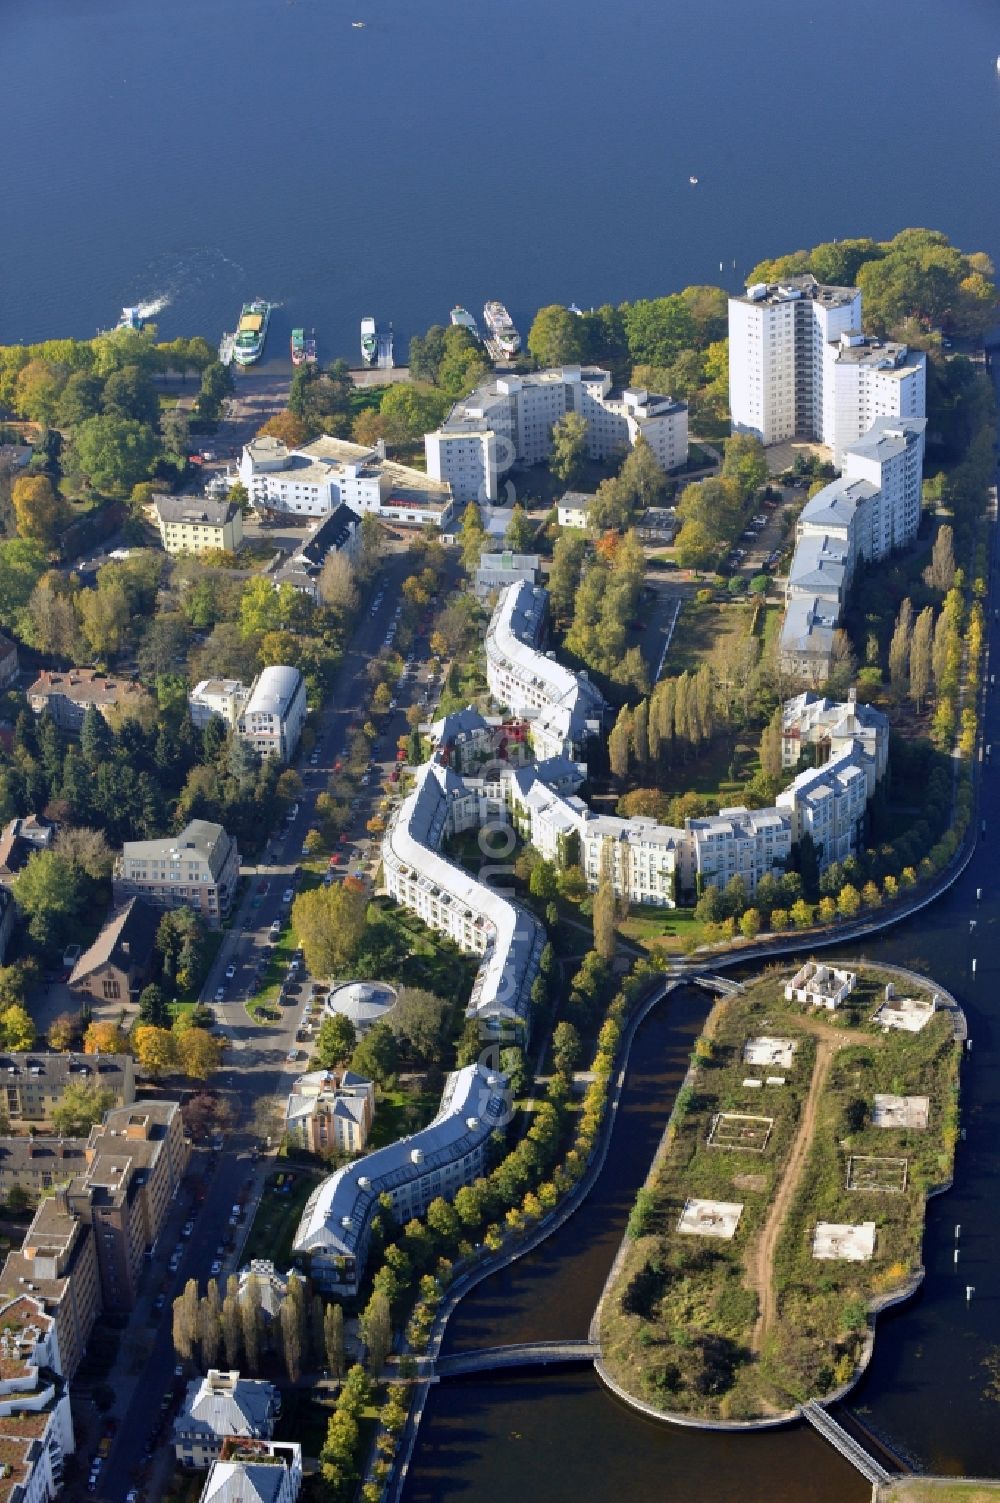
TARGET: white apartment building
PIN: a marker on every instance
(831, 728)
(36, 1426)
(870, 510)
(274, 713)
(224, 697)
(865, 379)
(801, 367)
(574, 509)
(331, 1242)
(478, 918)
(509, 421)
(778, 335)
(330, 472)
(563, 709)
(829, 804)
(497, 570)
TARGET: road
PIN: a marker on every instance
(256, 1063)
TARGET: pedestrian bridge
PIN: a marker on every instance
(719, 984)
(852, 1450)
(527, 1354)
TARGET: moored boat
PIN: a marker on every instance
(463, 319)
(298, 346)
(251, 332)
(310, 347)
(503, 340)
(369, 341)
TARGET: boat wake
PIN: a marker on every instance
(151, 307)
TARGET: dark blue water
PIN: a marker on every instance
(453, 150)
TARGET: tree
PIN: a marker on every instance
(232, 1326)
(376, 1326)
(745, 462)
(155, 1050)
(39, 512)
(49, 891)
(419, 1022)
(17, 1031)
(22, 563)
(330, 925)
(63, 1031)
(112, 453)
(291, 1338)
(333, 1339)
(87, 849)
(337, 584)
(520, 533)
(557, 337)
(605, 913)
(899, 648)
(848, 901)
(940, 575)
(920, 656)
(566, 1049)
(197, 1053)
(750, 923)
(569, 448)
(770, 746)
(210, 1339)
(82, 1105)
(288, 427)
(376, 1056)
(153, 1006)
(251, 1321)
(105, 1038)
(185, 1321)
(335, 1041)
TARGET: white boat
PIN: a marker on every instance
(251, 332)
(693, 181)
(369, 341)
(503, 340)
(463, 319)
(998, 64)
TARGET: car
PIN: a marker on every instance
(288, 894)
(215, 1268)
(179, 1370)
(230, 970)
(220, 995)
(293, 965)
(293, 1055)
(276, 928)
(365, 779)
(314, 759)
(187, 1228)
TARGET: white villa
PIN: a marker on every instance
(820, 986)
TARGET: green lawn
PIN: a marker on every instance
(398, 1113)
(668, 931)
(277, 1217)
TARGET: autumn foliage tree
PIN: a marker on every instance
(39, 512)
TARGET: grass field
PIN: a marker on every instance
(668, 931)
(277, 1216)
(680, 1325)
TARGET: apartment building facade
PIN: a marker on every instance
(274, 714)
(331, 1242)
(330, 1111)
(508, 421)
(36, 1425)
(330, 472)
(194, 525)
(222, 1407)
(32, 1084)
(68, 695)
(199, 869)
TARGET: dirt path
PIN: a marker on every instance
(760, 1258)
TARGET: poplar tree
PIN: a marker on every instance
(640, 732)
(605, 911)
(376, 1326)
(920, 657)
(250, 1318)
(333, 1339)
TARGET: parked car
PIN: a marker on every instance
(230, 971)
(276, 928)
(288, 895)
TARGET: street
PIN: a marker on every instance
(256, 1063)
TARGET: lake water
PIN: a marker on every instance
(205, 151)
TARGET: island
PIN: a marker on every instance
(786, 1202)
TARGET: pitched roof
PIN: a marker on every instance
(126, 939)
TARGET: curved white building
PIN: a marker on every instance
(480, 920)
(564, 709)
(363, 1003)
(333, 1234)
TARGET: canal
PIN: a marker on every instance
(562, 1437)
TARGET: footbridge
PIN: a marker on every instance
(526, 1354)
(720, 984)
(852, 1450)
